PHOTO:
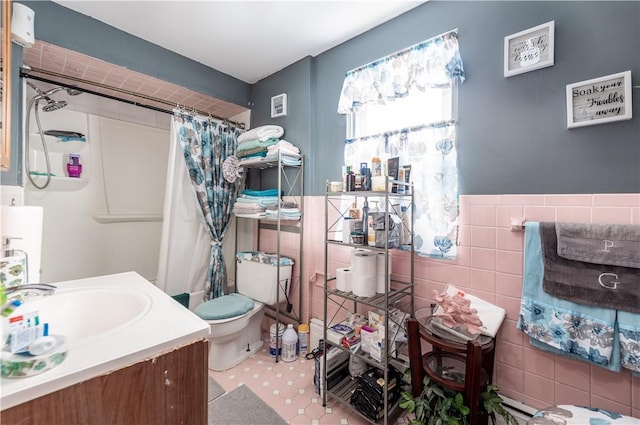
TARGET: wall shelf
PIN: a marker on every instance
(126, 218)
(61, 183)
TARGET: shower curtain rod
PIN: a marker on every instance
(26, 73)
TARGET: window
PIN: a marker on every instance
(404, 106)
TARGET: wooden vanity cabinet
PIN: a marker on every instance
(168, 389)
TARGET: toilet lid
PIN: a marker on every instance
(224, 307)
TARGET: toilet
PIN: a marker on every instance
(236, 319)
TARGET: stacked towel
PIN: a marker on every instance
(287, 152)
(602, 336)
(253, 203)
(263, 144)
(261, 133)
(263, 204)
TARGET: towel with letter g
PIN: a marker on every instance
(586, 281)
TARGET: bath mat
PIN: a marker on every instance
(182, 299)
(215, 390)
(242, 407)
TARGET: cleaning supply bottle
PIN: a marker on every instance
(303, 339)
(289, 344)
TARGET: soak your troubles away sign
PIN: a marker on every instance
(600, 100)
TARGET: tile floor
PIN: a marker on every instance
(289, 389)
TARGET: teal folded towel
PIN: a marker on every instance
(265, 192)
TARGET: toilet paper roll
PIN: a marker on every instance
(358, 250)
(363, 285)
(25, 224)
(343, 279)
(381, 277)
(363, 263)
(363, 273)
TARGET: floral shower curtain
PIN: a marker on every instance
(206, 144)
(429, 148)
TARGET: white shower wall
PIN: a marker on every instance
(111, 220)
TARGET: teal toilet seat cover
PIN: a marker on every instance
(224, 307)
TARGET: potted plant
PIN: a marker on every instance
(437, 405)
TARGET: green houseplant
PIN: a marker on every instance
(437, 405)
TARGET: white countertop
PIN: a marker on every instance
(165, 326)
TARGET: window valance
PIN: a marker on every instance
(431, 63)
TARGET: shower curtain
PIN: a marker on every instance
(198, 204)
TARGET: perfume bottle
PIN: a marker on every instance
(74, 168)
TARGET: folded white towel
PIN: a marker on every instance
(490, 314)
(262, 133)
(273, 153)
(284, 145)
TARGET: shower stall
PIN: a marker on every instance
(131, 209)
(109, 218)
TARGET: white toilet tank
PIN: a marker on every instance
(257, 276)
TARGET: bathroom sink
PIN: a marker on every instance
(83, 314)
(109, 323)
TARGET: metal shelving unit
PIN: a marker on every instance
(397, 293)
(290, 184)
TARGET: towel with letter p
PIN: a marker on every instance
(602, 336)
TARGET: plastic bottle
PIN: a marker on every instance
(303, 339)
(365, 222)
(376, 167)
(354, 212)
(289, 344)
(371, 231)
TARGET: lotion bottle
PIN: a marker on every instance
(371, 231)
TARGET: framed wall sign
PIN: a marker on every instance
(279, 105)
(529, 49)
(600, 100)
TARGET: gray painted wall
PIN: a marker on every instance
(512, 131)
(295, 81)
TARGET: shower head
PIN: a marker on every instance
(45, 95)
(73, 91)
(53, 105)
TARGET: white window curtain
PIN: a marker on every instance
(430, 148)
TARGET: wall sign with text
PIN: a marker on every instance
(529, 49)
(600, 100)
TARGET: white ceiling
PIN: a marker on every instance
(248, 40)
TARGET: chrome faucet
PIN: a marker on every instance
(41, 288)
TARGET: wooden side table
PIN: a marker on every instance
(466, 368)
